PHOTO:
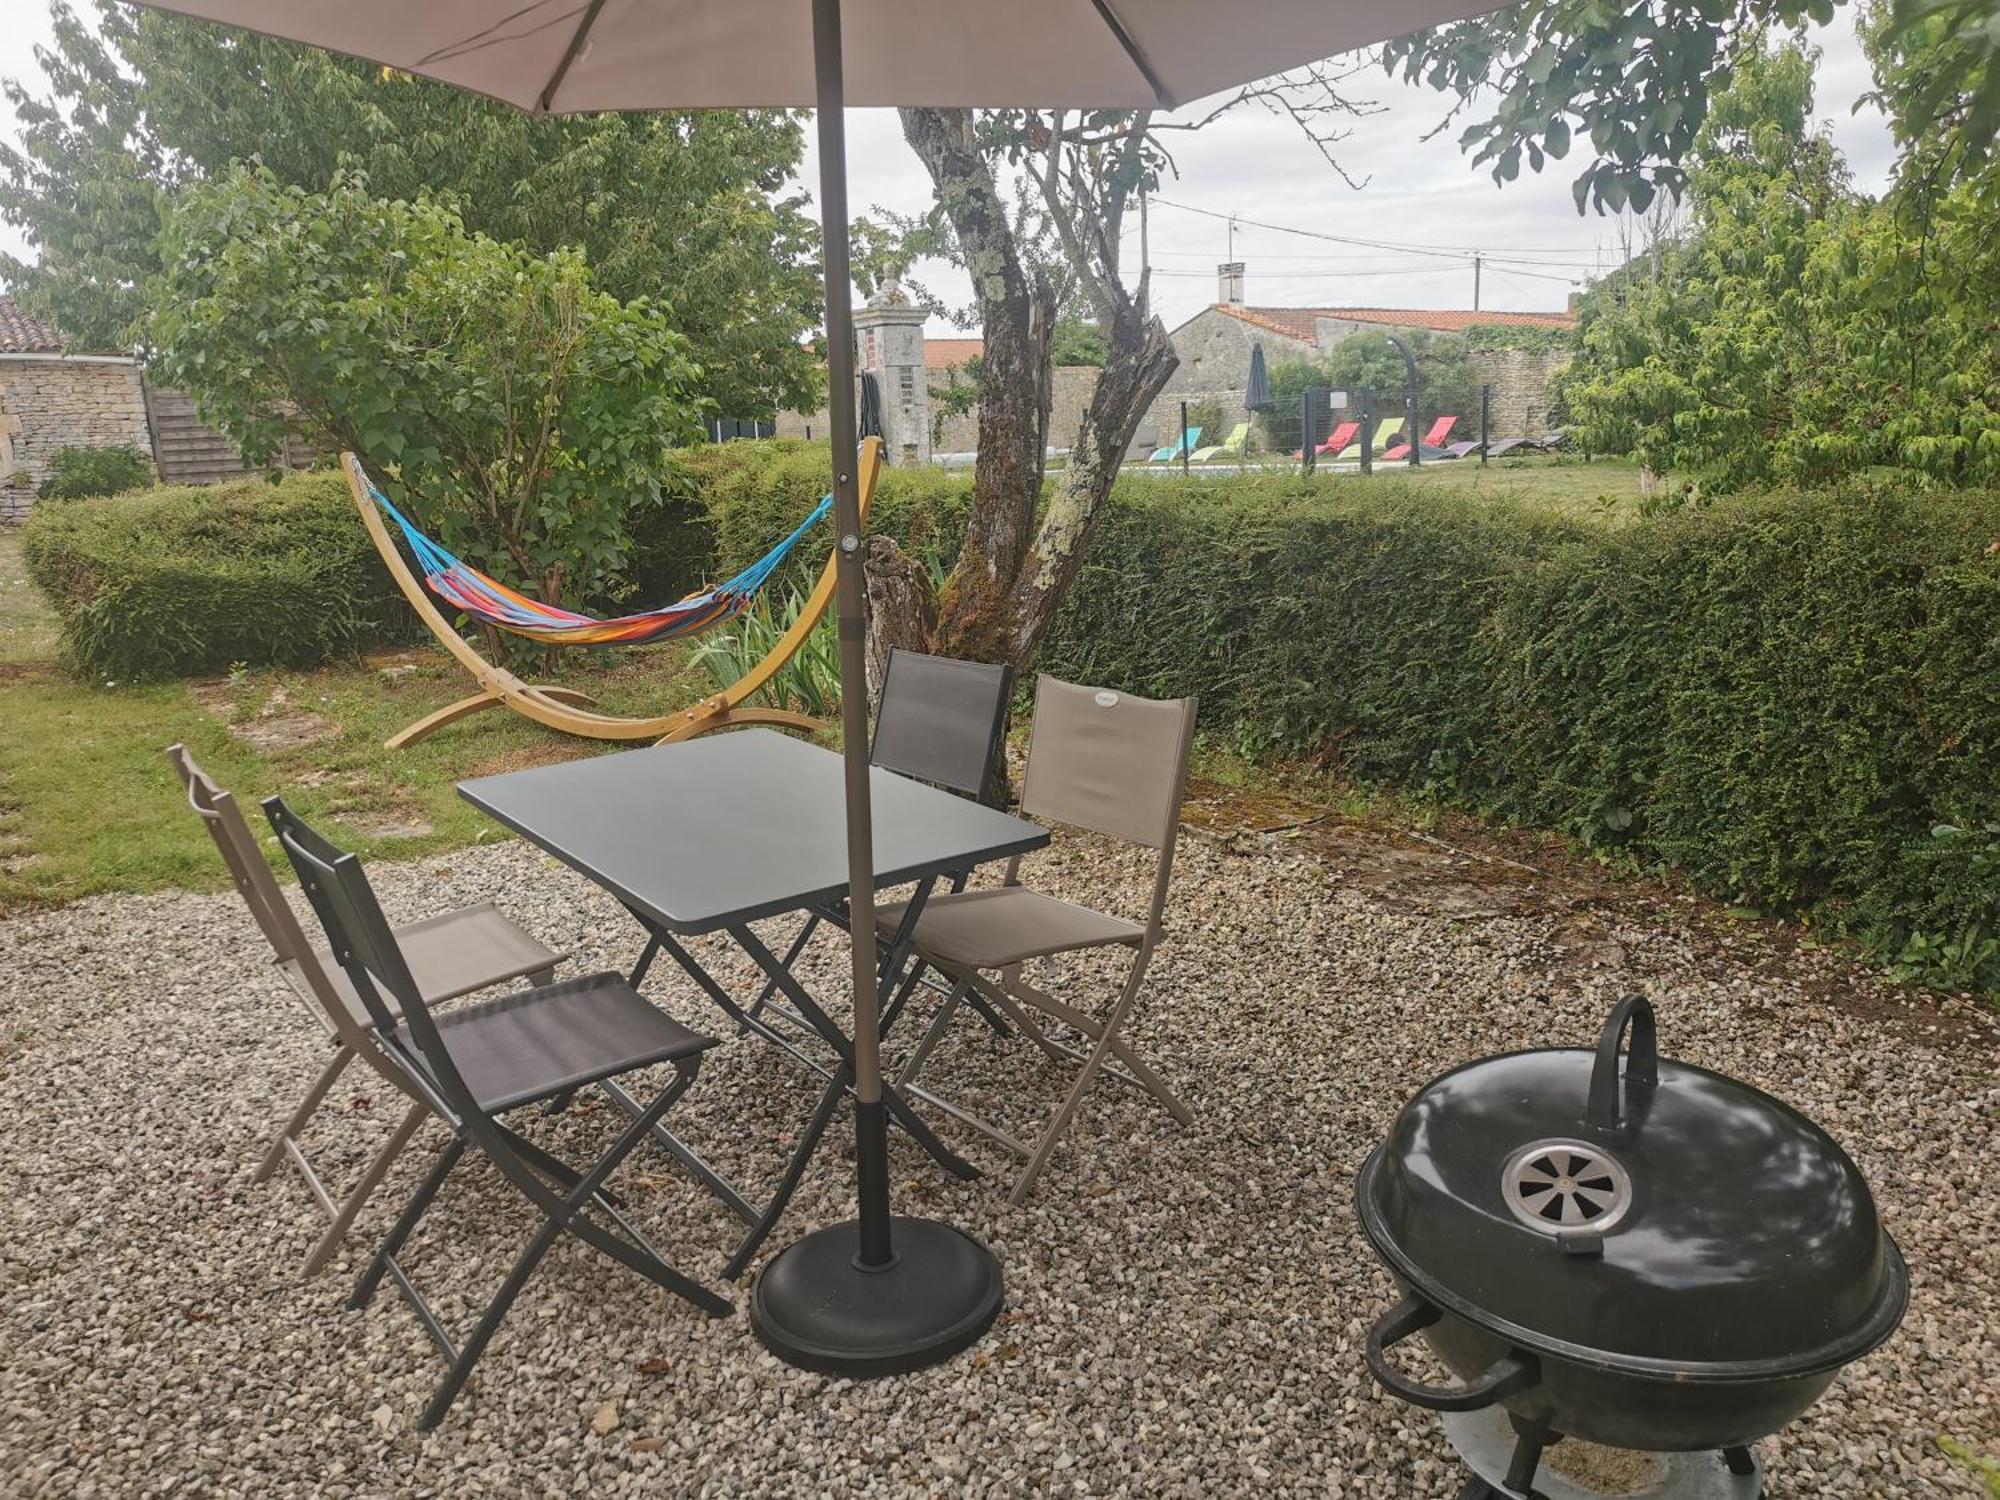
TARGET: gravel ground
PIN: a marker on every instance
(1185, 1307)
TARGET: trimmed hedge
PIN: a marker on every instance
(733, 500)
(1792, 699)
(178, 580)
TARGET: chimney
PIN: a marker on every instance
(1575, 303)
(1229, 283)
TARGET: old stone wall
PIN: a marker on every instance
(1523, 382)
(1069, 396)
(50, 402)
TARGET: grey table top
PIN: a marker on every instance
(718, 831)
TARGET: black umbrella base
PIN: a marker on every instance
(815, 1308)
(1498, 1454)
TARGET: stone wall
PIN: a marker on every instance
(1523, 382)
(1068, 399)
(1214, 351)
(48, 402)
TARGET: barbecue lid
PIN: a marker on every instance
(1656, 1217)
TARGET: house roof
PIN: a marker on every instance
(944, 354)
(1302, 323)
(21, 334)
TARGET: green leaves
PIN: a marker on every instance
(692, 210)
(1792, 330)
(516, 411)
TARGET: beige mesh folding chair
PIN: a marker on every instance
(452, 955)
(1108, 763)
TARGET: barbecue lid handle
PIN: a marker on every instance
(1513, 1371)
(1642, 1061)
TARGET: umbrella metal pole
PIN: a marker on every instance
(877, 1295)
(871, 1130)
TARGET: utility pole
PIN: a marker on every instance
(1475, 280)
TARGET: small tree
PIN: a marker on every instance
(515, 410)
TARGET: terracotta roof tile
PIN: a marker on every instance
(1302, 323)
(943, 354)
(21, 334)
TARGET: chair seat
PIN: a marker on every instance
(1009, 924)
(534, 1044)
(452, 955)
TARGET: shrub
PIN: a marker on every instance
(519, 414)
(732, 501)
(1793, 698)
(78, 473)
(178, 580)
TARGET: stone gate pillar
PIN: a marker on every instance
(891, 332)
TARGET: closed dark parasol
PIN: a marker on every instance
(1257, 394)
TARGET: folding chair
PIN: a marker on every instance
(452, 955)
(480, 1060)
(942, 721)
(1108, 763)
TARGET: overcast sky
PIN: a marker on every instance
(1416, 194)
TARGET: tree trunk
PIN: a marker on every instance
(1142, 360)
(1010, 577)
(1016, 312)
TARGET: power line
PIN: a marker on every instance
(1578, 257)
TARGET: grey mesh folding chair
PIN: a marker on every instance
(942, 721)
(1108, 763)
(480, 1060)
(451, 955)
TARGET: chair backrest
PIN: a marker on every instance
(1112, 763)
(219, 813)
(258, 887)
(944, 721)
(365, 946)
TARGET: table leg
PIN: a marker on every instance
(897, 1106)
(795, 1172)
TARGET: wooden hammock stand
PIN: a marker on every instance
(569, 710)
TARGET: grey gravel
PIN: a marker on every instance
(1185, 1307)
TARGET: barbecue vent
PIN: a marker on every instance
(1560, 1185)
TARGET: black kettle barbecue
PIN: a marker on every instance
(1655, 1257)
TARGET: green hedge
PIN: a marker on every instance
(733, 500)
(178, 580)
(1792, 699)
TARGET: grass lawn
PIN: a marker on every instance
(1603, 489)
(88, 804)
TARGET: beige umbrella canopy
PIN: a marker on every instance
(875, 1295)
(569, 56)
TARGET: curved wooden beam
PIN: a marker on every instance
(566, 709)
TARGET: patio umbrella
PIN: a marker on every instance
(875, 1294)
(1257, 393)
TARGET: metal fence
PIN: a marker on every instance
(1315, 429)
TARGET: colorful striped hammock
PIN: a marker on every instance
(464, 587)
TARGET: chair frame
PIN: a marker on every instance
(566, 708)
(298, 962)
(1014, 996)
(991, 792)
(367, 950)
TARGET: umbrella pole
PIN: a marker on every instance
(876, 1295)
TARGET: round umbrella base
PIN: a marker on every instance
(815, 1308)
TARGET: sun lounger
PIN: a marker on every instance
(1431, 442)
(1385, 433)
(1232, 445)
(1339, 438)
(1174, 450)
